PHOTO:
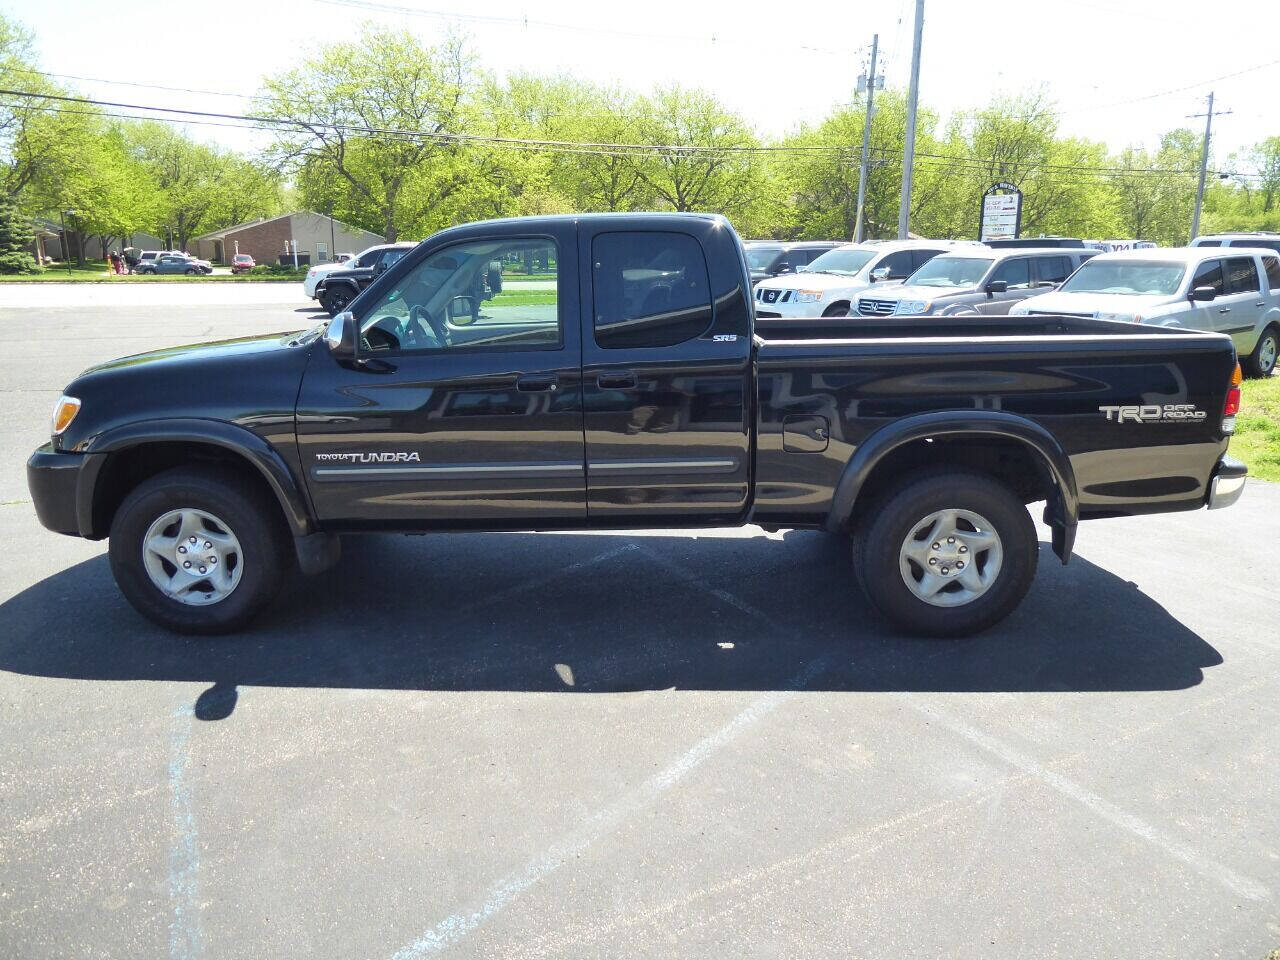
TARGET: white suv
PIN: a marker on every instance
(829, 286)
(1234, 291)
(1266, 241)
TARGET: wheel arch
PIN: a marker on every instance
(976, 439)
(124, 456)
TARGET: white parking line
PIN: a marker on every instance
(454, 928)
(1238, 884)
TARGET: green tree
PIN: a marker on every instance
(16, 240)
(383, 115)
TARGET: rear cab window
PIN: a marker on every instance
(650, 289)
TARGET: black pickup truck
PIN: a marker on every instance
(627, 384)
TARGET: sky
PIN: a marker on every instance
(1119, 71)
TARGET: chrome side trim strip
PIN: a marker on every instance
(455, 471)
(690, 465)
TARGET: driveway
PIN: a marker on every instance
(657, 744)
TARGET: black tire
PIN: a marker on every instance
(335, 301)
(838, 309)
(248, 514)
(1255, 365)
(878, 546)
(191, 271)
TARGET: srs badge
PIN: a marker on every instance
(411, 457)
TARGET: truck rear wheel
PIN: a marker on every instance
(949, 554)
(198, 550)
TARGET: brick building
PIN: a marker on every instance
(317, 238)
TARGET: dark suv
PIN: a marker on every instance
(341, 286)
(769, 258)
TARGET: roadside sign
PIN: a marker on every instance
(1001, 212)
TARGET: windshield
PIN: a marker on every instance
(759, 258)
(950, 272)
(842, 261)
(1126, 277)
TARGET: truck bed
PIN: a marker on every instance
(829, 387)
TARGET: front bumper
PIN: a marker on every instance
(1227, 483)
(54, 479)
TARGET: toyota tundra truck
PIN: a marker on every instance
(634, 388)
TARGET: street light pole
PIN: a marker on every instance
(66, 239)
(913, 100)
(866, 139)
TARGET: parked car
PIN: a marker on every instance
(318, 271)
(1264, 239)
(242, 263)
(771, 258)
(638, 392)
(339, 287)
(830, 284)
(1201, 288)
(971, 280)
(1035, 243)
(175, 263)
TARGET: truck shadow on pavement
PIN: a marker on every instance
(605, 613)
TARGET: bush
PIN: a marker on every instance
(277, 270)
(16, 240)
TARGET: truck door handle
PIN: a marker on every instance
(1261, 303)
(537, 384)
(1224, 309)
(622, 380)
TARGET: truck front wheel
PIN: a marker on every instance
(949, 554)
(198, 550)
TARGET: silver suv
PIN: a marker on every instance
(1264, 240)
(975, 281)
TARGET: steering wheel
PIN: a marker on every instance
(420, 315)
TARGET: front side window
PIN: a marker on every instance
(1016, 273)
(1209, 274)
(471, 296)
(1242, 275)
(899, 264)
(761, 258)
(650, 289)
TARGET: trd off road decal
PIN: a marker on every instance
(1153, 412)
(368, 457)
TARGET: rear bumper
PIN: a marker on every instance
(53, 479)
(1227, 483)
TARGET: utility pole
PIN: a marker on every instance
(913, 100)
(866, 138)
(1204, 161)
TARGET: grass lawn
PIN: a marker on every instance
(97, 273)
(1257, 439)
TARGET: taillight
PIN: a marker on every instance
(1231, 406)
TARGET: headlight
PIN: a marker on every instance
(64, 413)
(808, 296)
(910, 307)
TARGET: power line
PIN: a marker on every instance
(1167, 93)
(132, 83)
(257, 123)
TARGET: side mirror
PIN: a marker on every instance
(1201, 294)
(463, 310)
(340, 337)
(879, 273)
(784, 267)
(378, 267)
(997, 286)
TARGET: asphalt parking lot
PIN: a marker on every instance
(661, 744)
